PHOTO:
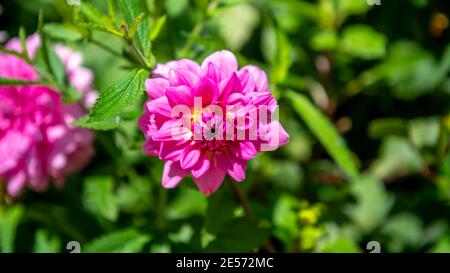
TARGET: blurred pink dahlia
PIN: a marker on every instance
(37, 142)
(209, 120)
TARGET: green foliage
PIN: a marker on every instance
(118, 97)
(325, 132)
(124, 241)
(99, 197)
(9, 220)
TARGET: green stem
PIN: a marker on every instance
(242, 199)
(160, 213)
(198, 27)
(189, 43)
(268, 246)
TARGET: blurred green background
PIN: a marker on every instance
(364, 92)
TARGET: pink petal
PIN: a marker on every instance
(201, 167)
(13, 146)
(231, 86)
(274, 136)
(180, 95)
(259, 78)
(246, 81)
(172, 150)
(160, 107)
(190, 158)
(16, 184)
(172, 174)
(244, 150)
(224, 61)
(210, 181)
(156, 88)
(179, 77)
(211, 72)
(237, 172)
(172, 130)
(151, 147)
(207, 90)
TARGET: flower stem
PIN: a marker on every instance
(242, 199)
(268, 246)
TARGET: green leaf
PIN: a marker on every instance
(12, 52)
(99, 197)
(424, 132)
(363, 42)
(62, 32)
(341, 245)
(44, 243)
(116, 98)
(136, 196)
(325, 132)
(9, 220)
(324, 40)
(382, 127)
(175, 8)
(236, 24)
(15, 82)
(43, 51)
(403, 230)
(23, 44)
(93, 26)
(285, 218)
(187, 203)
(397, 157)
(157, 27)
(220, 210)
(131, 9)
(125, 241)
(135, 24)
(240, 235)
(96, 16)
(104, 125)
(373, 202)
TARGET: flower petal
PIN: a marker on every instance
(229, 87)
(210, 181)
(237, 172)
(207, 90)
(172, 174)
(180, 95)
(156, 88)
(201, 167)
(259, 78)
(274, 136)
(246, 150)
(159, 107)
(190, 158)
(224, 61)
(172, 130)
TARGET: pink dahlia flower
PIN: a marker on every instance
(208, 120)
(37, 142)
